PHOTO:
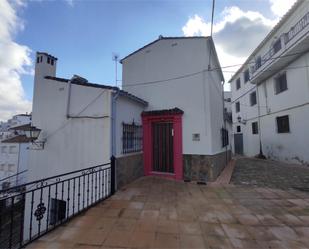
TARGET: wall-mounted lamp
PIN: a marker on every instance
(33, 134)
(242, 121)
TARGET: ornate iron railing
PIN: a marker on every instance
(31, 210)
(297, 28)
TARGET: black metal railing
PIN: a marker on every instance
(297, 28)
(31, 210)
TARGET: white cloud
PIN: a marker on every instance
(236, 34)
(70, 2)
(14, 61)
(280, 7)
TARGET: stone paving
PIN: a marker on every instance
(160, 213)
(268, 173)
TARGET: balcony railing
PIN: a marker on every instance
(297, 28)
(31, 210)
(287, 37)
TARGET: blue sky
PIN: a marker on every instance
(83, 34)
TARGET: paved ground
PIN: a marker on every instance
(267, 173)
(160, 213)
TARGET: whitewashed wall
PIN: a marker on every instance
(126, 111)
(169, 58)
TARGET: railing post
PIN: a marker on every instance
(113, 174)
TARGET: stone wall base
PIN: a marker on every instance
(204, 167)
(128, 169)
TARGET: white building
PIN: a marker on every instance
(181, 79)
(270, 92)
(13, 151)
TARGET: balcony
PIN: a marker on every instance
(287, 48)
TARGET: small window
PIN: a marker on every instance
(41, 58)
(277, 45)
(52, 62)
(258, 62)
(11, 168)
(238, 128)
(3, 150)
(281, 84)
(38, 60)
(48, 60)
(57, 211)
(237, 83)
(246, 76)
(283, 124)
(255, 129)
(237, 107)
(253, 98)
(131, 138)
(13, 150)
(224, 137)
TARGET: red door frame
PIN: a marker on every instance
(176, 119)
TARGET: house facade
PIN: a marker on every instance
(181, 79)
(270, 93)
(14, 151)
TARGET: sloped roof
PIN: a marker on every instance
(17, 139)
(24, 127)
(173, 111)
(207, 38)
(122, 92)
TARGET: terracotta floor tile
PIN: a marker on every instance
(245, 244)
(167, 226)
(150, 214)
(164, 241)
(146, 225)
(217, 242)
(212, 229)
(112, 212)
(136, 205)
(186, 227)
(118, 239)
(191, 241)
(142, 239)
(92, 237)
(49, 245)
(105, 223)
(131, 213)
(124, 224)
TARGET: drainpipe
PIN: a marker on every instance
(113, 119)
(260, 155)
(69, 99)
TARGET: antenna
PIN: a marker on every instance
(115, 59)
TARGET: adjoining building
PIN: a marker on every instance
(270, 93)
(183, 125)
(14, 151)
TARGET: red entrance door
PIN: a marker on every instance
(162, 143)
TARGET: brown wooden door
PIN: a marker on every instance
(162, 147)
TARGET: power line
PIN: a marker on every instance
(205, 70)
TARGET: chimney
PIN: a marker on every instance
(45, 65)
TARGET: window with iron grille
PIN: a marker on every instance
(238, 128)
(258, 62)
(237, 107)
(283, 124)
(131, 138)
(237, 83)
(224, 137)
(281, 83)
(246, 76)
(253, 98)
(277, 45)
(255, 129)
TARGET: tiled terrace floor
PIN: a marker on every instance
(159, 213)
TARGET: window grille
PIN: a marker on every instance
(131, 138)
(246, 76)
(281, 83)
(237, 83)
(255, 129)
(253, 98)
(224, 137)
(237, 107)
(283, 124)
